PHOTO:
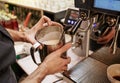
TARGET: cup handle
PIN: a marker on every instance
(33, 49)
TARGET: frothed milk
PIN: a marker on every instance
(51, 38)
(51, 42)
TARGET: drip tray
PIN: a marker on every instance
(88, 71)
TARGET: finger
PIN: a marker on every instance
(56, 23)
(49, 23)
(63, 49)
(43, 22)
(68, 60)
(64, 68)
(47, 20)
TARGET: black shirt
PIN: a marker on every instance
(7, 57)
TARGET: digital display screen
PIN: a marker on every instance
(113, 5)
(72, 16)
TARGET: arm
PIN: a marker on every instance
(29, 35)
(37, 76)
(16, 35)
(53, 63)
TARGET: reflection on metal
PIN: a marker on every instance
(113, 45)
(81, 40)
(81, 34)
(83, 1)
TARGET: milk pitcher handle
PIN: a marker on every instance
(33, 49)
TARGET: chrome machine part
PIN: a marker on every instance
(113, 46)
(81, 40)
(80, 43)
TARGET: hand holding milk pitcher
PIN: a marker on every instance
(50, 38)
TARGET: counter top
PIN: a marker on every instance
(93, 69)
(105, 56)
(27, 64)
(86, 70)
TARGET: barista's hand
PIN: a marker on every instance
(105, 39)
(54, 62)
(30, 34)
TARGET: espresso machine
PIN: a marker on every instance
(79, 20)
(92, 20)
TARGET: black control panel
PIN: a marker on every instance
(71, 17)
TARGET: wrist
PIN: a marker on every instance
(38, 75)
(42, 71)
(43, 68)
(27, 38)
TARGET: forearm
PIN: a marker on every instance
(16, 35)
(38, 75)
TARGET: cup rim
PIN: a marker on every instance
(110, 77)
(55, 26)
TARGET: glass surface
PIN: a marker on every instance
(113, 5)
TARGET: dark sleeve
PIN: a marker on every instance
(7, 52)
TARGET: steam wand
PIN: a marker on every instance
(113, 45)
(75, 26)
